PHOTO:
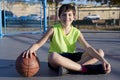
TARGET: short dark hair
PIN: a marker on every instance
(67, 7)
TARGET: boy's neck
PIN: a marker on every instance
(66, 29)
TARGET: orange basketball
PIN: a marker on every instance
(27, 67)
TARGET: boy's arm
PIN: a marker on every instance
(89, 48)
(39, 43)
(43, 40)
(93, 52)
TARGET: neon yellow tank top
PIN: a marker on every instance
(63, 43)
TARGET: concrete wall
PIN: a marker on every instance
(104, 12)
(22, 9)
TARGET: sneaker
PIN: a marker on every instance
(62, 71)
(95, 69)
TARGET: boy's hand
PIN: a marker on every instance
(28, 54)
(107, 67)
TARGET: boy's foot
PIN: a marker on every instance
(62, 71)
(94, 69)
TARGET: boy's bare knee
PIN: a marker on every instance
(101, 52)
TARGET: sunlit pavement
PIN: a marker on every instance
(12, 46)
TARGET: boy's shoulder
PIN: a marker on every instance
(57, 24)
(76, 28)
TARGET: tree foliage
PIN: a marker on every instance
(54, 1)
(112, 2)
(115, 2)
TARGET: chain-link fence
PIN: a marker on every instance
(22, 17)
(28, 16)
(91, 16)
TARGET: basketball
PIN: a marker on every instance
(27, 67)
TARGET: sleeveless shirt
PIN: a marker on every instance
(62, 43)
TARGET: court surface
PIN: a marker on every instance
(11, 46)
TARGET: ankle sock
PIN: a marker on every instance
(93, 69)
(84, 69)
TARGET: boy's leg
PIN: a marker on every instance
(86, 59)
(56, 60)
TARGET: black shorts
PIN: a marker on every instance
(75, 57)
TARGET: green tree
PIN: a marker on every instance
(115, 2)
(112, 2)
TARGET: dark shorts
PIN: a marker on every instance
(74, 57)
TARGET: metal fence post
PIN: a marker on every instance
(1, 35)
(45, 15)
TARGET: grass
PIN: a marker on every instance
(93, 27)
(36, 27)
(101, 27)
(82, 27)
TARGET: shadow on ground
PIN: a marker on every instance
(7, 69)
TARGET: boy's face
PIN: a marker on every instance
(67, 18)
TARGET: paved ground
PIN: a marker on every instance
(12, 46)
